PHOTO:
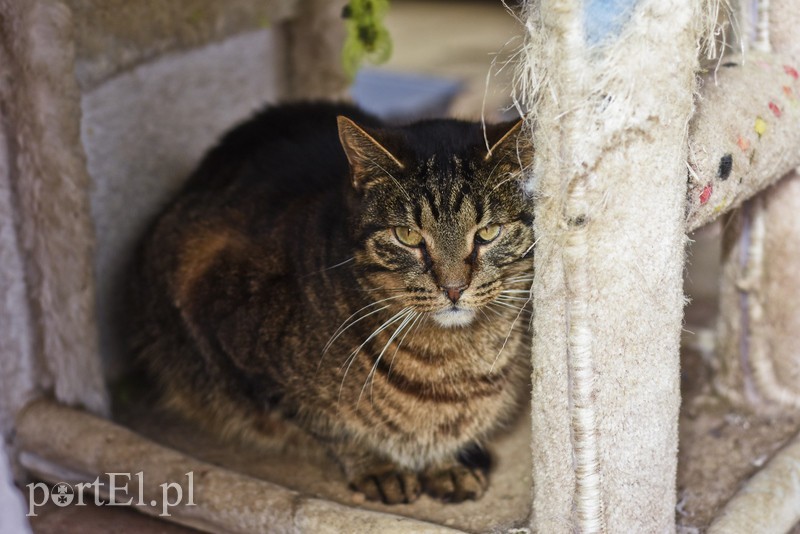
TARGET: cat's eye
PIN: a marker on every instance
(488, 233)
(407, 236)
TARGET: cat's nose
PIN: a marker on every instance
(454, 292)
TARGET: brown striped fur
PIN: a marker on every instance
(274, 289)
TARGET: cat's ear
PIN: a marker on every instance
(366, 155)
(509, 140)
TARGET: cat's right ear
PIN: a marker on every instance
(367, 157)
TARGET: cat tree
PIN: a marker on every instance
(631, 155)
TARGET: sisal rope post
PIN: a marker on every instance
(610, 183)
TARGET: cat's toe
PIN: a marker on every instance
(457, 483)
(391, 487)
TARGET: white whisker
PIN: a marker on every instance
(331, 267)
(338, 334)
(400, 343)
(489, 306)
(528, 278)
(371, 375)
(501, 183)
(393, 179)
(507, 305)
(505, 341)
(344, 326)
(530, 247)
(491, 175)
(353, 355)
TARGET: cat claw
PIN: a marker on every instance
(391, 487)
(455, 484)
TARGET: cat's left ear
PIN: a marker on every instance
(509, 141)
(366, 155)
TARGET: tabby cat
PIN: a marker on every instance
(367, 283)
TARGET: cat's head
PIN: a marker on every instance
(442, 223)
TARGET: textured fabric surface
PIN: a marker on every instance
(779, 291)
(226, 501)
(744, 137)
(49, 193)
(144, 131)
(314, 64)
(768, 502)
(745, 134)
(113, 36)
(610, 182)
(12, 504)
(18, 366)
(758, 354)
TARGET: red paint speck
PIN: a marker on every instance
(775, 109)
(743, 143)
(787, 91)
(706, 194)
(791, 71)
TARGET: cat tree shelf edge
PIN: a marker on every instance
(113, 36)
(57, 442)
(768, 501)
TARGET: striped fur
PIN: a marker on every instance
(275, 284)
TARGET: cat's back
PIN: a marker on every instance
(271, 183)
(269, 179)
(282, 151)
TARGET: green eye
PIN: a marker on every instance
(407, 236)
(488, 233)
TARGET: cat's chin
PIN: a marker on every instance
(453, 317)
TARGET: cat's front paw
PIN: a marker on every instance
(455, 483)
(390, 485)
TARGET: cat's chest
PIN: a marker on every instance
(427, 418)
(443, 383)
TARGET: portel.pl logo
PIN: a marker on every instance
(64, 494)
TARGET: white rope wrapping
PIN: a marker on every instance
(587, 507)
(580, 357)
(588, 503)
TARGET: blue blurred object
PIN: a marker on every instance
(400, 97)
(605, 18)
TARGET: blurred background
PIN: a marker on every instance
(449, 58)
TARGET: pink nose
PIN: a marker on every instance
(454, 292)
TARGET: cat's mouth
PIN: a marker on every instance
(453, 317)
